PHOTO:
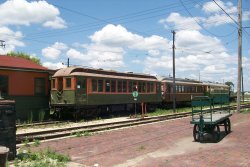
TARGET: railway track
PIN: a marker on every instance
(38, 124)
(85, 129)
(63, 132)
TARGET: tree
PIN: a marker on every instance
(25, 56)
(231, 86)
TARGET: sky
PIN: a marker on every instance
(131, 35)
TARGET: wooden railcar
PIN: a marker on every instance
(185, 89)
(85, 91)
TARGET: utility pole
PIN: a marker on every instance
(2, 43)
(174, 90)
(242, 85)
(68, 63)
(239, 53)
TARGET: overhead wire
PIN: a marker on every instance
(229, 16)
(106, 21)
(198, 21)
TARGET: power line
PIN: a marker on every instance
(226, 13)
(229, 16)
(197, 21)
(119, 18)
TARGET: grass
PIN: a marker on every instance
(245, 111)
(80, 134)
(36, 142)
(141, 147)
(46, 158)
(159, 111)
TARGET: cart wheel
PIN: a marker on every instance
(227, 125)
(216, 133)
(196, 134)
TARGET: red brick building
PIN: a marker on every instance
(27, 83)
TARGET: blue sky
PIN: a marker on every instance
(130, 35)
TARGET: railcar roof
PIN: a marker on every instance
(167, 79)
(214, 84)
(79, 71)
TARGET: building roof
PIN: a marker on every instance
(19, 63)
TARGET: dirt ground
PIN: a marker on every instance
(168, 143)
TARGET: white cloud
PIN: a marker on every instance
(181, 22)
(109, 46)
(12, 39)
(58, 23)
(22, 12)
(211, 7)
(118, 36)
(195, 41)
(55, 66)
(54, 51)
(217, 16)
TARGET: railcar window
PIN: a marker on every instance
(94, 85)
(158, 85)
(113, 85)
(152, 87)
(144, 87)
(135, 86)
(124, 86)
(3, 85)
(130, 86)
(68, 82)
(53, 84)
(107, 83)
(148, 87)
(119, 85)
(39, 86)
(140, 87)
(100, 85)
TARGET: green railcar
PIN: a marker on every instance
(85, 91)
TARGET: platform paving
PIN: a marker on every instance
(168, 143)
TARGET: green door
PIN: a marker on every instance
(81, 90)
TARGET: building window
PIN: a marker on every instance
(100, 85)
(39, 86)
(94, 85)
(3, 85)
(68, 82)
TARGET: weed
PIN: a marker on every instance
(78, 134)
(245, 111)
(141, 148)
(36, 142)
(86, 133)
(26, 142)
(30, 118)
(46, 158)
(41, 115)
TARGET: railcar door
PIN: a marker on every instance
(81, 90)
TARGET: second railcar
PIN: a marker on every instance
(86, 91)
(185, 89)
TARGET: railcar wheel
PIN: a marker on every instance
(227, 125)
(196, 133)
(216, 133)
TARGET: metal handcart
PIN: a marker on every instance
(207, 118)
